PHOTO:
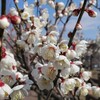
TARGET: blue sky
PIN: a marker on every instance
(90, 25)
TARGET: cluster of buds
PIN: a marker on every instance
(90, 12)
(12, 17)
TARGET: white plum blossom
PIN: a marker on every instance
(37, 73)
(96, 91)
(51, 3)
(74, 69)
(65, 72)
(49, 71)
(81, 47)
(28, 11)
(68, 85)
(5, 90)
(63, 46)
(79, 82)
(61, 62)
(8, 62)
(13, 12)
(52, 37)
(44, 83)
(45, 59)
(49, 52)
(18, 93)
(86, 75)
(71, 54)
(8, 77)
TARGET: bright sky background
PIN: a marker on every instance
(90, 25)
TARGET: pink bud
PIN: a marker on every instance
(15, 19)
(1, 83)
(79, 27)
(70, 34)
(76, 12)
(91, 13)
(4, 23)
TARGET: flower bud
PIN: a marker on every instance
(4, 23)
(70, 34)
(60, 5)
(76, 12)
(16, 1)
(91, 13)
(51, 3)
(15, 19)
(79, 26)
(13, 12)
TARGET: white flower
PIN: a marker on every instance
(8, 63)
(83, 91)
(93, 2)
(37, 22)
(52, 37)
(74, 69)
(36, 73)
(5, 90)
(61, 62)
(13, 12)
(60, 5)
(71, 54)
(49, 71)
(28, 8)
(68, 85)
(72, 7)
(78, 82)
(96, 91)
(81, 47)
(4, 23)
(86, 75)
(26, 82)
(8, 77)
(25, 15)
(63, 46)
(43, 2)
(77, 62)
(44, 83)
(18, 93)
(44, 14)
(49, 52)
(65, 72)
(36, 49)
(51, 3)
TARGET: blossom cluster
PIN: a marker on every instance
(51, 62)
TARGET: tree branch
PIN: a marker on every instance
(78, 21)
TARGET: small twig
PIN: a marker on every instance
(64, 27)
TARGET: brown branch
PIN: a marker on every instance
(78, 21)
